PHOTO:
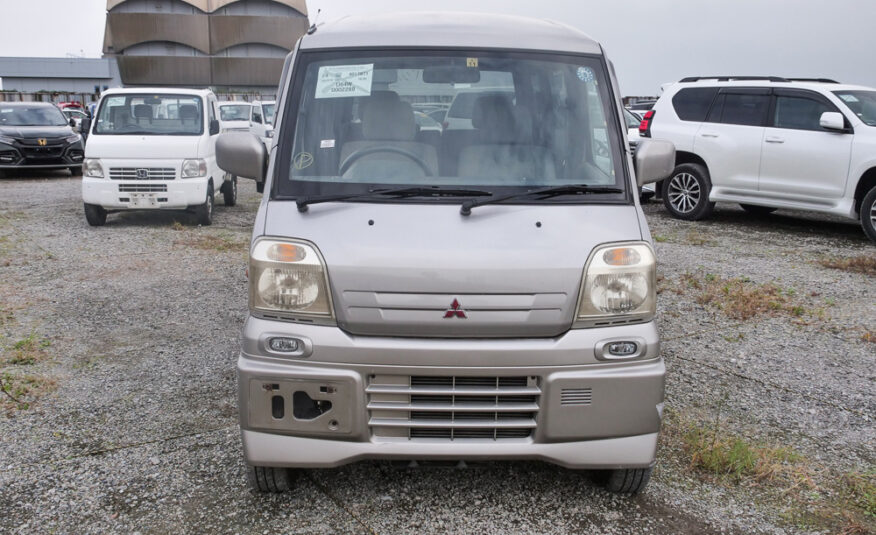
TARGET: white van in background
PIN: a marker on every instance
(153, 148)
(261, 121)
(234, 116)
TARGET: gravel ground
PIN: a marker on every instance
(132, 424)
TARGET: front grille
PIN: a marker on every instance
(33, 141)
(38, 153)
(453, 408)
(576, 396)
(142, 173)
(142, 188)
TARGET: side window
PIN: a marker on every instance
(256, 115)
(799, 113)
(211, 110)
(740, 108)
(692, 104)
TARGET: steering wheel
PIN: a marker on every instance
(348, 162)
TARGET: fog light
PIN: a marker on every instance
(283, 345)
(622, 349)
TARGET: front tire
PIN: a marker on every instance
(628, 480)
(76, 171)
(229, 191)
(868, 214)
(686, 193)
(204, 212)
(268, 479)
(260, 187)
(95, 215)
(758, 210)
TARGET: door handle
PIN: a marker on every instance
(773, 139)
(709, 134)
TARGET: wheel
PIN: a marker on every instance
(759, 210)
(260, 187)
(686, 192)
(95, 215)
(204, 212)
(268, 479)
(628, 480)
(868, 214)
(229, 191)
(76, 170)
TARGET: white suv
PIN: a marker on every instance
(769, 143)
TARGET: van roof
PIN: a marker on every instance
(447, 29)
(173, 90)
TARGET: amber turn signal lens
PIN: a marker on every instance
(622, 256)
(286, 252)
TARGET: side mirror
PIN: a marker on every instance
(214, 127)
(832, 120)
(242, 154)
(72, 122)
(655, 160)
(85, 125)
(257, 119)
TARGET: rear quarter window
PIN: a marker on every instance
(692, 104)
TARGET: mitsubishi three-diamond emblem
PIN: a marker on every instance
(455, 311)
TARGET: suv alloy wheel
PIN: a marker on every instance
(686, 192)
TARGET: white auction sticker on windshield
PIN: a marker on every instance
(336, 81)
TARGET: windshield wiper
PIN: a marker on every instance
(546, 193)
(434, 191)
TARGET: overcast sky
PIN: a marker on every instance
(650, 41)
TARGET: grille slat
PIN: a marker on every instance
(136, 173)
(453, 408)
(142, 188)
(576, 396)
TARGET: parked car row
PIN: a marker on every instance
(769, 143)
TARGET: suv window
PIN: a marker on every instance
(799, 113)
(692, 104)
(861, 103)
(740, 108)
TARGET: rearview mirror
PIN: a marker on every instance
(832, 120)
(451, 75)
(655, 160)
(242, 154)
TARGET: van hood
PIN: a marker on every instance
(409, 269)
(142, 147)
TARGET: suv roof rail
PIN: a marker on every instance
(751, 78)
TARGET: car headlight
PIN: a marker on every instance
(73, 139)
(620, 281)
(288, 277)
(6, 139)
(194, 168)
(92, 168)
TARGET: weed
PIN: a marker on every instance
(28, 350)
(221, 243)
(737, 338)
(696, 238)
(861, 490)
(869, 336)
(865, 264)
(177, 226)
(661, 238)
(739, 298)
(20, 391)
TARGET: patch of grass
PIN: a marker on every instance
(698, 238)
(177, 226)
(20, 391)
(661, 238)
(220, 243)
(28, 350)
(738, 337)
(865, 264)
(860, 489)
(739, 298)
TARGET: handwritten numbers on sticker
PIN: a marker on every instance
(337, 81)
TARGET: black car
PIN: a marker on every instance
(36, 135)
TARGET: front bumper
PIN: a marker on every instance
(578, 411)
(173, 194)
(57, 154)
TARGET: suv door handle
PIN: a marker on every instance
(773, 139)
(709, 134)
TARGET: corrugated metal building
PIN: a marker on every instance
(74, 75)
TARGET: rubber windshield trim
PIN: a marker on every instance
(291, 100)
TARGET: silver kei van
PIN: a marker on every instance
(482, 293)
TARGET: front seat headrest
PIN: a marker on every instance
(387, 118)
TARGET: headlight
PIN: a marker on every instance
(269, 133)
(194, 168)
(93, 168)
(620, 281)
(6, 139)
(73, 139)
(288, 277)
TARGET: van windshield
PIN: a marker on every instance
(269, 112)
(234, 112)
(513, 122)
(150, 114)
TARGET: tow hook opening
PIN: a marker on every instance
(305, 407)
